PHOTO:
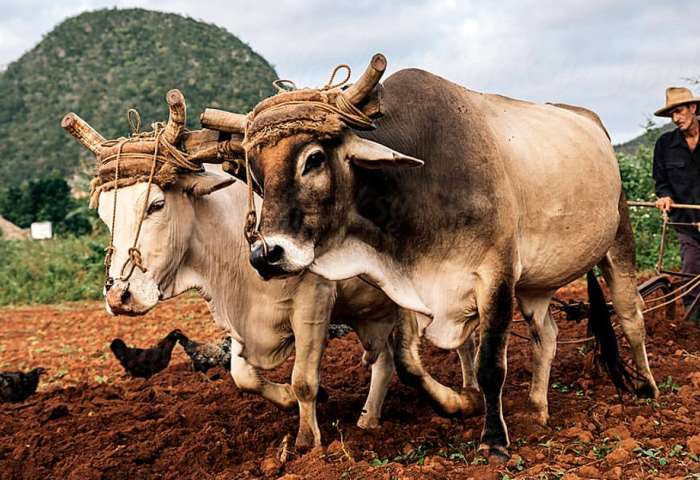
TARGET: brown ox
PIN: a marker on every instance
(513, 199)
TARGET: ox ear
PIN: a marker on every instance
(372, 155)
(200, 184)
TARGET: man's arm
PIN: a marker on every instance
(663, 187)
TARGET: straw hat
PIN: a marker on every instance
(676, 96)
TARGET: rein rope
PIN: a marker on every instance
(251, 231)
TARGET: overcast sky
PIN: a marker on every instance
(615, 57)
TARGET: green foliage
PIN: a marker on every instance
(50, 271)
(638, 183)
(652, 453)
(669, 384)
(45, 199)
(602, 450)
(98, 64)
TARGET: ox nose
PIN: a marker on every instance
(267, 262)
(118, 298)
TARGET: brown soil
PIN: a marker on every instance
(89, 421)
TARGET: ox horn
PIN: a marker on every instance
(83, 132)
(360, 90)
(178, 114)
(223, 121)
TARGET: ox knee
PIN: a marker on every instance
(305, 389)
(246, 381)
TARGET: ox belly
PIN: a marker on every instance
(448, 288)
(564, 173)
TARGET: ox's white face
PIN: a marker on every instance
(164, 239)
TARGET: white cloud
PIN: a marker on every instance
(613, 56)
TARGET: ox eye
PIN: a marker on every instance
(314, 161)
(155, 206)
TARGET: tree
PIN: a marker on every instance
(44, 199)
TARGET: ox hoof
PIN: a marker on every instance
(542, 420)
(540, 415)
(473, 402)
(496, 454)
(469, 403)
(304, 444)
(648, 391)
(367, 422)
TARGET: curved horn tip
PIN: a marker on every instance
(68, 120)
(174, 97)
(379, 62)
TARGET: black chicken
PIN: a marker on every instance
(337, 330)
(18, 386)
(207, 355)
(145, 362)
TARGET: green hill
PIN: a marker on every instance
(646, 138)
(98, 64)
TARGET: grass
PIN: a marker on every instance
(51, 271)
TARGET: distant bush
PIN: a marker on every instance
(46, 199)
(638, 183)
(51, 271)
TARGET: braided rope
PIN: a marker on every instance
(135, 257)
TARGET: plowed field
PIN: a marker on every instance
(89, 421)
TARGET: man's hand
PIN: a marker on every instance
(664, 204)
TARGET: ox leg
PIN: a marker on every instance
(622, 282)
(248, 379)
(495, 310)
(411, 372)
(310, 325)
(466, 354)
(374, 335)
(543, 331)
(619, 267)
(382, 371)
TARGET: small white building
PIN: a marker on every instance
(41, 230)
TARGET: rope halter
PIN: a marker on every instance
(155, 157)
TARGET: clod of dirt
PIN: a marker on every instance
(570, 476)
(694, 379)
(694, 444)
(638, 425)
(589, 471)
(615, 410)
(628, 444)
(618, 455)
(655, 443)
(619, 432)
(270, 466)
(614, 473)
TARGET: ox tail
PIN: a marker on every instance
(600, 324)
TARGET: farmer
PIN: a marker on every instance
(677, 176)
